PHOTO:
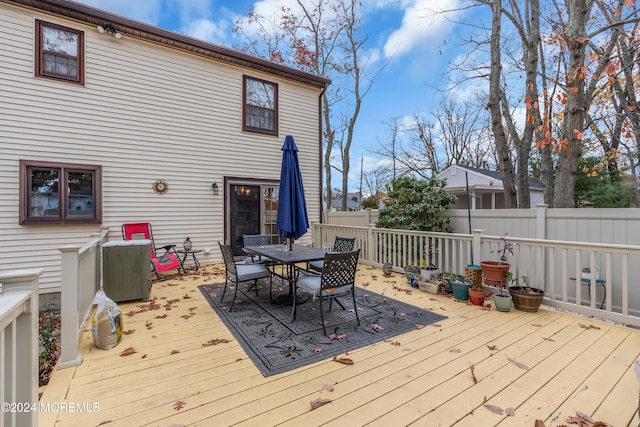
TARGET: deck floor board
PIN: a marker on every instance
(416, 379)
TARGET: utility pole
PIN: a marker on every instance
(360, 194)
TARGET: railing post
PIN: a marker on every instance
(27, 366)
(69, 314)
(370, 244)
(476, 245)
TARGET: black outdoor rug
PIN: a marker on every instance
(276, 345)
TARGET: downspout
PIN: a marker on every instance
(321, 153)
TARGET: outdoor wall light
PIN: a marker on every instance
(214, 188)
(109, 30)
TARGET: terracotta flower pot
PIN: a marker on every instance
(477, 296)
(493, 272)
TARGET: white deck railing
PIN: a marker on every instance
(550, 265)
(81, 266)
(19, 347)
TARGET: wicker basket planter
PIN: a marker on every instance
(526, 298)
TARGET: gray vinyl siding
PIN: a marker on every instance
(146, 112)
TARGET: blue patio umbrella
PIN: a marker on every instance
(292, 221)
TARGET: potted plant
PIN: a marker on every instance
(493, 272)
(526, 298)
(503, 300)
(477, 294)
(428, 269)
(412, 272)
(459, 286)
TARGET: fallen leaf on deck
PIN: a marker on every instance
(186, 296)
(161, 316)
(179, 405)
(539, 423)
(495, 409)
(455, 350)
(588, 326)
(128, 351)
(376, 327)
(536, 324)
(148, 324)
(328, 387)
(315, 404)
(143, 356)
(128, 332)
(315, 349)
(518, 364)
(473, 375)
(436, 325)
(492, 347)
(343, 360)
(419, 326)
(215, 342)
(175, 351)
(510, 412)
(548, 339)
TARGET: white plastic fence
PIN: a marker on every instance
(551, 265)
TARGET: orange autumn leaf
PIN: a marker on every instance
(343, 360)
(128, 352)
(574, 90)
(215, 341)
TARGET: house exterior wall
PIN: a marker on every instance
(488, 191)
(145, 112)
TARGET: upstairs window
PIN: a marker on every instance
(59, 52)
(60, 193)
(260, 106)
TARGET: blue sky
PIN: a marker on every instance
(417, 43)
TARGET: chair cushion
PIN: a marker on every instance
(166, 262)
(316, 265)
(251, 271)
(311, 285)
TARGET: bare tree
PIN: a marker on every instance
(323, 37)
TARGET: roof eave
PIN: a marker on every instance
(137, 29)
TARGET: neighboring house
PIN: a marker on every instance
(105, 120)
(352, 205)
(485, 187)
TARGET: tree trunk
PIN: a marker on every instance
(576, 108)
(502, 148)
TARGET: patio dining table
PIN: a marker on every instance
(281, 254)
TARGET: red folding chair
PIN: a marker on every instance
(167, 261)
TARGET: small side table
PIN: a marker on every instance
(196, 263)
(599, 282)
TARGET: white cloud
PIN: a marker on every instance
(204, 29)
(148, 11)
(423, 20)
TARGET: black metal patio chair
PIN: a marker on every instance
(341, 244)
(337, 279)
(240, 272)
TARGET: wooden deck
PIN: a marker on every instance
(546, 365)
